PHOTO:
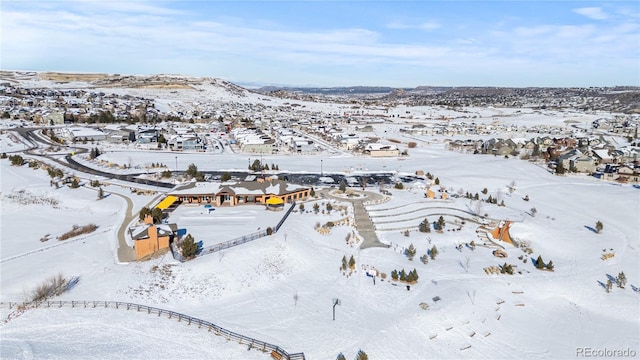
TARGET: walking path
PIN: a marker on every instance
(363, 223)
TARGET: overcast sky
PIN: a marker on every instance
(333, 43)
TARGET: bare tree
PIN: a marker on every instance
(477, 209)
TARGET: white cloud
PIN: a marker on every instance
(428, 25)
(594, 13)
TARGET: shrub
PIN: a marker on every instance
(329, 224)
(16, 160)
(78, 230)
(53, 286)
(412, 144)
(269, 231)
(398, 186)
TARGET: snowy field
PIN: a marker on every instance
(280, 288)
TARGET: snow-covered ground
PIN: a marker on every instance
(280, 288)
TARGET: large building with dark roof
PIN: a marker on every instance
(240, 192)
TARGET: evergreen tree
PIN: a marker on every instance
(550, 265)
(424, 226)
(301, 207)
(415, 275)
(316, 208)
(144, 212)
(189, 247)
(560, 168)
(343, 186)
(100, 194)
(621, 279)
(344, 263)
(433, 253)
(609, 285)
(410, 252)
(312, 192)
(539, 262)
(329, 207)
(441, 223)
(599, 226)
(156, 213)
(402, 275)
(394, 274)
(476, 197)
(437, 181)
(192, 170)
(225, 177)
(256, 166)
(352, 262)
(75, 183)
(361, 355)
(424, 258)
(485, 191)
(341, 357)
(266, 167)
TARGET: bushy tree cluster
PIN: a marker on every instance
(402, 275)
(16, 160)
(506, 269)
(470, 196)
(53, 173)
(156, 214)
(94, 153)
(541, 265)
(166, 174)
(192, 171)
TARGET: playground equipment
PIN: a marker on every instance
(502, 232)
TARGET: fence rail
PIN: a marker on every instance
(189, 320)
(235, 242)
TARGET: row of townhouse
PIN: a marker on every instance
(253, 140)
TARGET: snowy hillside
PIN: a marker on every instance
(280, 289)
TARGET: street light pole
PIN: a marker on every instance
(176, 162)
